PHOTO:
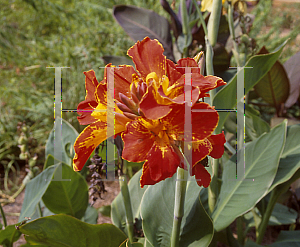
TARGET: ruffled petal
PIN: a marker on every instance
(153, 105)
(217, 142)
(161, 163)
(187, 62)
(86, 107)
(203, 122)
(172, 73)
(207, 83)
(86, 143)
(123, 78)
(200, 150)
(138, 140)
(89, 139)
(148, 57)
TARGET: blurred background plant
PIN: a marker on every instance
(39, 34)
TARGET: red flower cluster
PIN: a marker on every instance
(149, 113)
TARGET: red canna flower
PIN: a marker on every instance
(149, 110)
(165, 81)
(156, 142)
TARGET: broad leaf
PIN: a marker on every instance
(90, 215)
(261, 163)
(281, 215)
(139, 23)
(292, 69)
(157, 210)
(226, 98)
(69, 135)
(68, 197)
(34, 192)
(290, 159)
(287, 239)
(9, 235)
(274, 86)
(63, 230)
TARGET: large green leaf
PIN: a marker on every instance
(139, 23)
(34, 192)
(261, 163)
(287, 239)
(290, 158)
(281, 215)
(68, 197)
(274, 86)
(157, 210)
(69, 135)
(226, 98)
(63, 230)
(9, 235)
(118, 216)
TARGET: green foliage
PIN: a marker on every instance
(261, 165)
(63, 230)
(9, 235)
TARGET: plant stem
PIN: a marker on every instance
(232, 33)
(214, 21)
(185, 25)
(179, 206)
(213, 190)
(3, 216)
(18, 191)
(201, 18)
(127, 205)
(240, 232)
(265, 219)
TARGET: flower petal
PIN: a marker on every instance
(153, 105)
(202, 175)
(203, 122)
(138, 140)
(148, 57)
(200, 150)
(123, 78)
(207, 83)
(217, 142)
(85, 108)
(89, 139)
(161, 163)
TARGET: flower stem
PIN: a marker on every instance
(232, 33)
(3, 216)
(213, 191)
(214, 21)
(179, 206)
(185, 26)
(127, 205)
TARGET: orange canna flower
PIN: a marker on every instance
(149, 110)
(157, 143)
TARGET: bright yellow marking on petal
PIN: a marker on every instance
(100, 112)
(152, 76)
(165, 83)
